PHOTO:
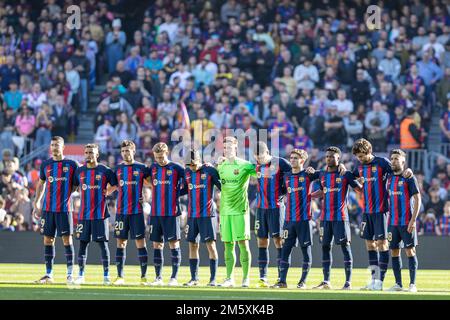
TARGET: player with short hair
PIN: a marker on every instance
(55, 185)
(130, 176)
(200, 182)
(167, 186)
(94, 180)
(334, 218)
(269, 206)
(235, 175)
(297, 228)
(404, 205)
(372, 173)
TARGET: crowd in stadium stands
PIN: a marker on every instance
(310, 70)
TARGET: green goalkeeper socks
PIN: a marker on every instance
(245, 258)
(230, 259)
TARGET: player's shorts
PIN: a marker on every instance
(129, 223)
(269, 222)
(339, 230)
(56, 223)
(93, 230)
(298, 233)
(203, 229)
(164, 228)
(399, 237)
(374, 226)
(235, 227)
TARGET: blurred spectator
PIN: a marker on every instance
(124, 130)
(115, 45)
(409, 132)
(428, 225)
(335, 133)
(306, 75)
(104, 135)
(376, 123)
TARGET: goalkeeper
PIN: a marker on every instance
(234, 210)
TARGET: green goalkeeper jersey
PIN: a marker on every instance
(235, 178)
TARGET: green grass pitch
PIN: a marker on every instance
(16, 282)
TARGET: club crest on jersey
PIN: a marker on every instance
(338, 180)
(325, 190)
(121, 183)
(400, 183)
(301, 179)
(203, 176)
(98, 177)
(84, 186)
(374, 168)
(155, 182)
(273, 168)
(136, 173)
(169, 172)
(223, 181)
(289, 190)
(236, 172)
(50, 179)
(258, 174)
(190, 186)
(65, 169)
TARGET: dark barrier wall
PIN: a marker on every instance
(27, 247)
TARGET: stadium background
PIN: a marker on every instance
(311, 70)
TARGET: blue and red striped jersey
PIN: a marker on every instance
(200, 185)
(298, 199)
(93, 183)
(59, 182)
(374, 187)
(168, 182)
(400, 191)
(444, 225)
(335, 193)
(130, 178)
(270, 183)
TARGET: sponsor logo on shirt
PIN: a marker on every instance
(290, 190)
(156, 182)
(328, 190)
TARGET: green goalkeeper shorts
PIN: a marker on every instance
(235, 227)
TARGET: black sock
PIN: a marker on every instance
(176, 259)
(49, 255)
(82, 256)
(213, 265)
(193, 266)
(373, 262)
(383, 263)
(158, 261)
(143, 260)
(120, 261)
(105, 257)
(327, 261)
(69, 258)
(397, 268)
(348, 261)
(285, 261)
(278, 260)
(307, 258)
(413, 264)
(263, 262)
